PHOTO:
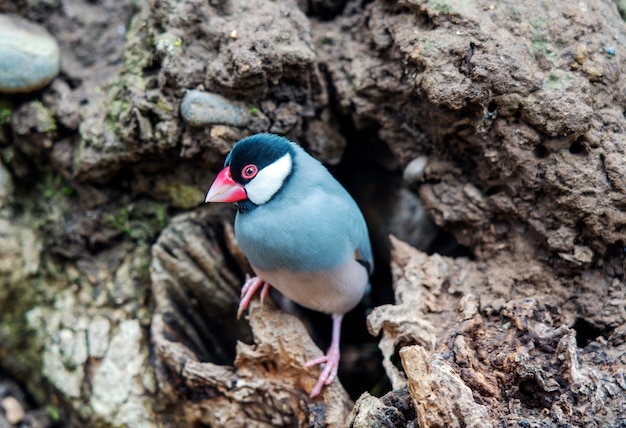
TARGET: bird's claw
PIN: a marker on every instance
(249, 289)
(329, 373)
(265, 291)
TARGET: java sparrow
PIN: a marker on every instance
(300, 230)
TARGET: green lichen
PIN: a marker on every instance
(161, 216)
(119, 111)
(441, 6)
(53, 412)
(119, 221)
(67, 190)
(164, 105)
(45, 118)
(141, 221)
(54, 184)
(558, 80)
(5, 115)
(147, 218)
(184, 196)
(140, 39)
(323, 41)
(541, 43)
(122, 91)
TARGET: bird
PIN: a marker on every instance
(300, 230)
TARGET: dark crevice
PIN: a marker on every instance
(532, 395)
(325, 10)
(586, 332)
(494, 190)
(541, 152)
(578, 147)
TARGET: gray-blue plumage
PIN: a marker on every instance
(312, 223)
(312, 227)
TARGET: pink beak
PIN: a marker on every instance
(224, 189)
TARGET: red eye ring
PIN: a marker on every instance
(249, 171)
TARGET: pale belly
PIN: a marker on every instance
(334, 292)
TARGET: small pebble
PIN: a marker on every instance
(583, 254)
(13, 410)
(29, 55)
(610, 50)
(200, 108)
(414, 171)
(473, 193)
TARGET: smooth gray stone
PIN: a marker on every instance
(200, 108)
(29, 55)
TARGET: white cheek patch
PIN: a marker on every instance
(269, 180)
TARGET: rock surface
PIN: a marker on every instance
(29, 55)
(477, 346)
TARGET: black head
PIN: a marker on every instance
(261, 163)
(260, 150)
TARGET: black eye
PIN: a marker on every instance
(249, 171)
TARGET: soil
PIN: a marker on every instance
(486, 137)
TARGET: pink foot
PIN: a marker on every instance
(248, 291)
(328, 375)
(331, 359)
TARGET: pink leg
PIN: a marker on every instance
(331, 359)
(248, 291)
